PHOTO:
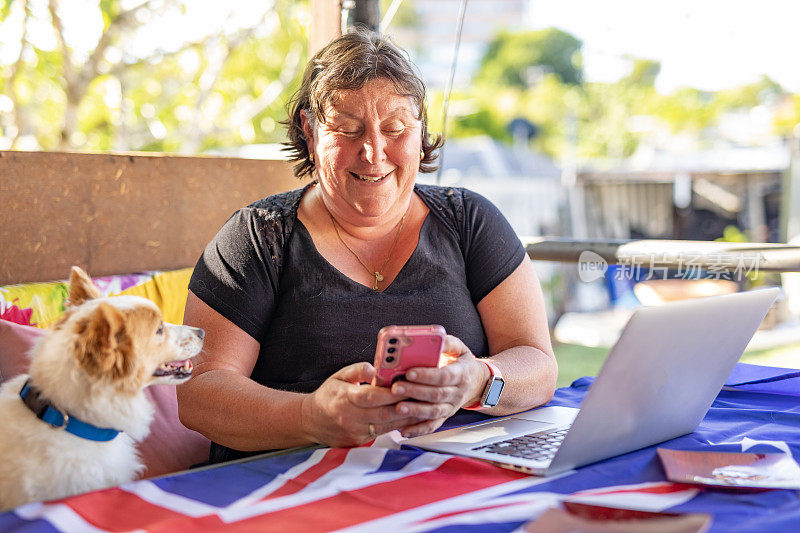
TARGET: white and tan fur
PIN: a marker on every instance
(94, 363)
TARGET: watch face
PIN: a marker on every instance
(493, 394)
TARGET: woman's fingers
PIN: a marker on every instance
(449, 375)
(367, 396)
(458, 357)
(422, 428)
(384, 427)
(356, 373)
(386, 415)
(378, 421)
(454, 346)
(428, 393)
(439, 377)
(354, 412)
(425, 410)
(453, 384)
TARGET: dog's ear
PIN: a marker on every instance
(104, 346)
(81, 287)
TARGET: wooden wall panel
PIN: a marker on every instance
(116, 214)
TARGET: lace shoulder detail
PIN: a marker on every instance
(276, 215)
(447, 203)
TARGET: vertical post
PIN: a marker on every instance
(790, 220)
(326, 23)
(570, 182)
(790, 193)
(754, 209)
(362, 13)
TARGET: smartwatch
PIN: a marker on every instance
(494, 387)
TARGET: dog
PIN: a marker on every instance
(70, 426)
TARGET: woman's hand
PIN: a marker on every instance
(344, 412)
(440, 392)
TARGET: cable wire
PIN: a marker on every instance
(461, 11)
(390, 13)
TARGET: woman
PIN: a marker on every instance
(294, 288)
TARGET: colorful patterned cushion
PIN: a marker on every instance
(40, 304)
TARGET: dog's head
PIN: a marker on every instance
(121, 342)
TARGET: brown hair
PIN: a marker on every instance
(347, 63)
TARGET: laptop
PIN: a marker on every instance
(657, 383)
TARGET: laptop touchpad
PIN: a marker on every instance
(493, 430)
(554, 415)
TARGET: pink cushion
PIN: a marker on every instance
(15, 342)
(170, 447)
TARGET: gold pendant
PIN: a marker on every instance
(378, 276)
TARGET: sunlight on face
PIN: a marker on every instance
(367, 151)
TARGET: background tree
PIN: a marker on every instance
(787, 120)
(517, 59)
(643, 72)
(144, 75)
(518, 77)
(763, 91)
(141, 84)
(406, 15)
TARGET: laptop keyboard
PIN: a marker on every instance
(538, 446)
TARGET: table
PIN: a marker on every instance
(380, 489)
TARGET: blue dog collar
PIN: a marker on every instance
(59, 419)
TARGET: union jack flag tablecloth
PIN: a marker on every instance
(381, 489)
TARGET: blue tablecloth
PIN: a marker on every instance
(375, 488)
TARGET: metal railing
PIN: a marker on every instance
(769, 257)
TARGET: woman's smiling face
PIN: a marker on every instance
(367, 152)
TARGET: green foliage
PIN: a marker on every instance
(643, 72)
(576, 361)
(42, 91)
(512, 58)
(787, 121)
(597, 115)
(686, 109)
(482, 122)
(754, 278)
(549, 105)
(749, 95)
(732, 234)
(536, 75)
(226, 90)
(406, 16)
(6, 9)
(110, 10)
(604, 114)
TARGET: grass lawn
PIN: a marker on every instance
(575, 361)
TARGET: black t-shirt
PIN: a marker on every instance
(263, 273)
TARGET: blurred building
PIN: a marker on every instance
(691, 185)
(525, 185)
(431, 37)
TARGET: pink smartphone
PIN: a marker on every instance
(403, 347)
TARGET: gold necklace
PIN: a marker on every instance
(377, 273)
